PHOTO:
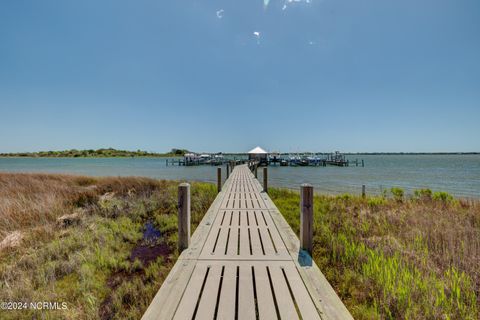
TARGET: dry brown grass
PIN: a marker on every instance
(30, 200)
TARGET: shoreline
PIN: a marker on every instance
(60, 157)
(456, 174)
(409, 193)
(4, 155)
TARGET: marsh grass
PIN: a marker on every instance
(396, 257)
(99, 262)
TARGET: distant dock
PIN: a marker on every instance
(264, 159)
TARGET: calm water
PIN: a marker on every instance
(457, 174)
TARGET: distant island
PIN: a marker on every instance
(114, 153)
(99, 153)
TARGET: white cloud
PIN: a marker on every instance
(294, 2)
(220, 13)
(256, 34)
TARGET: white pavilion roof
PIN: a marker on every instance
(257, 150)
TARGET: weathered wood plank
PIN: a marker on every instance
(306, 307)
(246, 301)
(226, 309)
(165, 302)
(266, 304)
(188, 304)
(208, 302)
(285, 303)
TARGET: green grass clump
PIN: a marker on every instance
(397, 193)
(442, 197)
(376, 202)
(389, 259)
(423, 194)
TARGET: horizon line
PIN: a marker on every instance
(223, 152)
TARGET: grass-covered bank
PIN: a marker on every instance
(98, 153)
(102, 245)
(396, 258)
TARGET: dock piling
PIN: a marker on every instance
(265, 180)
(306, 217)
(219, 179)
(256, 173)
(228, 170)
(183, 216)
(363, 191)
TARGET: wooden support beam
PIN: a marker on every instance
(228, 170)
(265, 180)
(183, 216)
(306, 217)
(219, 179)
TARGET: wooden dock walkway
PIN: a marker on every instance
(245, 262)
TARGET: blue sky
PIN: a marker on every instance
(348, 75)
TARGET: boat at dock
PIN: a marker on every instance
(263, 158)
(337, 159)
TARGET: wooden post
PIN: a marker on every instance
(363, 191)
(228, 170)
(256, 173)
(183, 216)
(265, 180)
(219, 179)
(363, 164)
(306, 217)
